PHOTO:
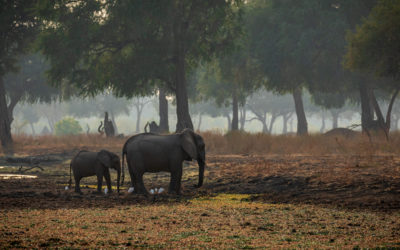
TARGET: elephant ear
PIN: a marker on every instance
(104, 158)
(188, 143)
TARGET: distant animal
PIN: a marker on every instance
(154, 128)
(100, 129)
(148, 152)
(87, 163)
(106, 127)
(345, 132)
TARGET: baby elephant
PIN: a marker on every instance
(87, 163)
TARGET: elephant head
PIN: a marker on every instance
(111, 160)
(193, 144)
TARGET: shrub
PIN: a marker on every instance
(67, 126)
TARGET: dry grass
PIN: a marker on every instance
(231, 143)
(57, 144)
(314, 144)
(221, 222)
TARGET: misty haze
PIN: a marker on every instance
(200, 124)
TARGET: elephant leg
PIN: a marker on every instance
(133, 181)
(175, 183)
(141, 189)
(77, 185)
(99, 183)
(136, 171)
(108, 179)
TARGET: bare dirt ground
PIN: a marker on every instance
(337, 180)
(325, 185)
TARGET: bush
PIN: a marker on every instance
(67, 126)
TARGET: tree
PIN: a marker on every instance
(280, 41)
(27, 113)
(135, 44)
(266, 105)
(335, 103)
(374, 48)
(53, 113)
(300, 45)
(17, 29)
(139, 103)
(29, 84)
(229, 81)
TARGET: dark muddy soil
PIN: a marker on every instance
(344, 181)
(355, 182)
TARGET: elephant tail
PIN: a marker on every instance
(145, 127)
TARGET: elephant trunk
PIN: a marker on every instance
(202, 164)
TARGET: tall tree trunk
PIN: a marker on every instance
(163, 111)
(14, 99)
(376, 107)
(335, 119)
(291, 125)
(367, 113)
(242, 119)
(228, 117)
(264, 125)
(139, 110)
(395, 123)
(322, 129)
(200, 120)
(302, 127)
(33, 128)
(5, 125)
(389, 111)
(284, 123)
(383, 124)
(182, 104)
(235, 111)
(271, 122)
(51, 124)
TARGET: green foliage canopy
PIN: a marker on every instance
(126, 45)
(130, 46)
(375, 45)
(297, 42)
(18, 27)
(30, 84)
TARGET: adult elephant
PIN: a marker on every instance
(150, 152)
